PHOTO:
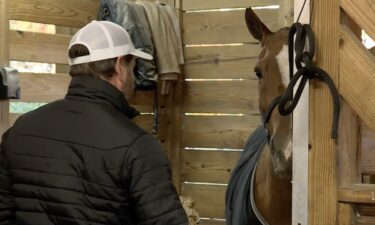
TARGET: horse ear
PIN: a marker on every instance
(255, 25)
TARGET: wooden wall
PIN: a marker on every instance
(52, 48)
(220, 96)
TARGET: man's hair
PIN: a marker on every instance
(104, 69)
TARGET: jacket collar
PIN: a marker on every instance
(92, 89)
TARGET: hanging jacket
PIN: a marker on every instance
(81, 160)
(133, 18)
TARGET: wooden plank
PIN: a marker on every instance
(356, 76)
(363, 13)
(367, 150)
(221, 62)
(348, 166)
(4, 60)
(209, 200)
(218, 131)
(50, 87)
(38, 47)
(365, 220)
(69, 13)
(322, 155)
(43, 87)
(365, 209)
(357, 193)
(219, 4)
(223, 27)
(222, 97)
(208, 166)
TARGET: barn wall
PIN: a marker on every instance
(220, 96)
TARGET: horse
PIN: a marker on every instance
(271, 192)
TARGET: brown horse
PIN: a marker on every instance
(272, 188)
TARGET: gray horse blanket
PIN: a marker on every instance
(238, 204)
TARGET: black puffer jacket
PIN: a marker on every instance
(81, 160)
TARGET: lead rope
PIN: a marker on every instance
(305, 71)
(288, 102)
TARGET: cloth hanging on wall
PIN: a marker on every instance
(133, 18)
(166, 37)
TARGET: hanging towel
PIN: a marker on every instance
(166, 37)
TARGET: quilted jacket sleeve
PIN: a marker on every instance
(154, 198)
(7, 212)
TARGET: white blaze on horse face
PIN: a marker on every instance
(283, 62)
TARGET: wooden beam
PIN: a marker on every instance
(4, 59)
(223, 27)
(357, 66)
(209, 200)
(221, 62)
(367, 150)
(68, 13)
(38, 47)
(208, 166)
(365, 220)
(217, 4)
(322, 155)
(222, 97)
(218, 131)
(357, 193)
(363, 13)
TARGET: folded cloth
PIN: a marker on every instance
(166, 36)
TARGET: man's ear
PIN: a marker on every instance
(119, 65)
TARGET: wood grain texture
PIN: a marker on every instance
(221, 62)
(357, 65)
(223, 27)
(349, 158)
(209, 200)
(362, 12)
(4, 59)
(222, 97)
(218, 4)
(322, 155)
(357, 193)
(50, 87)
(38, 47)
(69, 13)
(365, 220)
(218, 131)
(208, 166)
(43, 87)
(367, 150)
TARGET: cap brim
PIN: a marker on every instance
(142, 55)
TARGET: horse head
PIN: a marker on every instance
(273, 77)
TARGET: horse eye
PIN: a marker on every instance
(258, 73)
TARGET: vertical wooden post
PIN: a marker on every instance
(348, 168)
(177, 102)
(4, 59)
(322, 155)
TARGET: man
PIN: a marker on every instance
(81, 160)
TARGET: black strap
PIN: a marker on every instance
(305, 71)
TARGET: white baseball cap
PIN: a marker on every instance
(105, 40)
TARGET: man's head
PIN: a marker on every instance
(104, 50)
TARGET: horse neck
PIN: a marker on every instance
(272, 193)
